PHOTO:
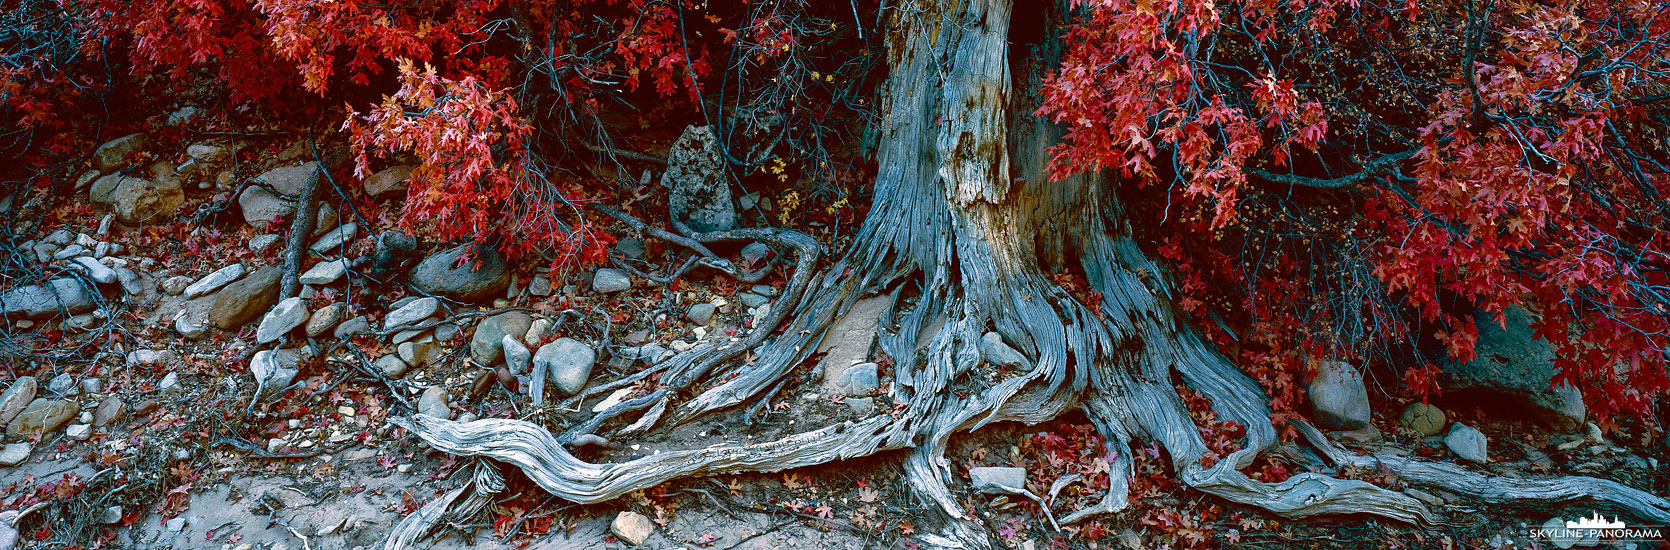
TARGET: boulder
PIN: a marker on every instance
(701, 192)
(113, 154)
(16, 398)
(568, 362)
(482, 276)
(1338, 397)
(246, 299)
(43, 415)
(62, 294)
(389, 180)
(1513, 363)
(487, 345)
(283, 318)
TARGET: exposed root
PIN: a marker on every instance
(455, 506)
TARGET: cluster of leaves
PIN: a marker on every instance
(1504, 153)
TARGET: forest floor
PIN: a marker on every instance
(161, 448)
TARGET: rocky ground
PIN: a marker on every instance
(159, 394)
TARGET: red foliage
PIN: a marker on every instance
(1532, 178)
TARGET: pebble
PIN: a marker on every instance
(333, 241)
(1423, 418)
(391, 365)
(284, 317)
(569, 363)
(997, 479)
(324, 273)
(177, 524)
(1467, 443)
(150, 358)
(63, 384)
(351, 327)
(79, 432)
(111, 516)
(95, 270)
(16, 398)
(516, 356)
(752, 300)
(537, 332)
(108, 411)
(170, 383)
(262, 244)
(765, 290)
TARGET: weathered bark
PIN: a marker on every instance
(963, 229)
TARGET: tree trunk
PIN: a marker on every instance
(964, 227)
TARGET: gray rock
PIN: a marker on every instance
(62, 294)
(653, 353)
(413, 312)
(568, 363)
(765, 290)
(79, 432)
(14, 453)
(132, 283)
(63, 384)
(68, 252)
(701, 192)
(176, 525)
(483, 277)
(537, 332)
(863, 406)
(434, 403)
(610, 280)
(336, 238)
(91, 385)
(245, 299)
(274, 369)
(750, 299)
(325, 319)
(700, 313)
(630, 247)
(95, 270)
(214, 281)
(191, 328)
(1467, 443)
(416, 353)
(486, 346)
(541, 286)
(390, 180)
(170, 383)
(516, 355)
(997, 479)
(995, 351)
(324, 273)
(848, 341)
(150, 358)
(446, 331)
(265, 243)
(186, 115)
(1338, 396)
(391, 365)
(284, 317)
(1423, 418)
(111, 515)
(260, 207)
(860, 379)
(632, 527)
(1516, 366)
(83, 322)
(112, 155)
(351, 327)
(175, 285)
(16, 398)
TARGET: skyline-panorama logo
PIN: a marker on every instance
(1595, 528)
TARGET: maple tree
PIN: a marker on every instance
(1322, 179)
